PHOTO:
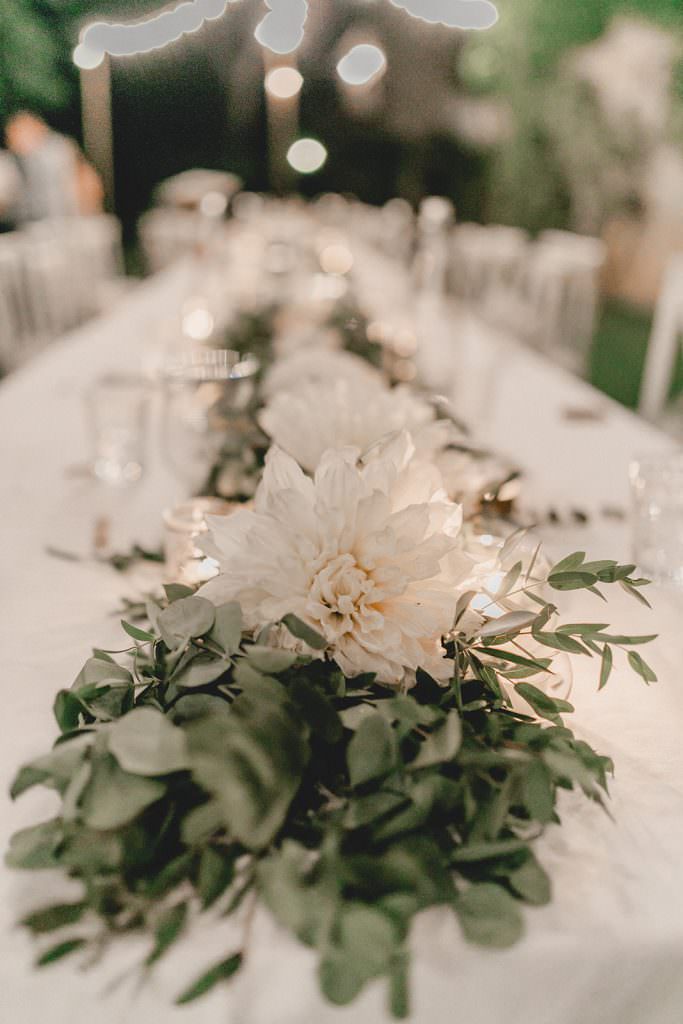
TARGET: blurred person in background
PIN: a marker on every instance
(10, 187)
(55, 178)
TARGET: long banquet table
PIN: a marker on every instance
(607, 950)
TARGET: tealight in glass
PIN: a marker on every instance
(184, 527)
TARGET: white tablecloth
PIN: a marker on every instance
(607, 950)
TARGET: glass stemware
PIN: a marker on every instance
(206, 393)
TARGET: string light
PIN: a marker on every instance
(124, 40)
(284, 83)
(306, 156)
(281, 30)
(361, 64)
(87, 59)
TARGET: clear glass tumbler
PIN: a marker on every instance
(657, 517)
(206, 391)
(117, 411)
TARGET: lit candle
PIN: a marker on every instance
(185, 524)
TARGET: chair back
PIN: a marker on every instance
(665, 338)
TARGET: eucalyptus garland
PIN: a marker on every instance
(213, 768)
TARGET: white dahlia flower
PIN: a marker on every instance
(370, 555)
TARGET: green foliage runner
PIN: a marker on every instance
(214, 769)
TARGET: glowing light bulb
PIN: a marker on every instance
(361, 64)
(284, 83)
(306, 156)
(198, 323)
(86, 57)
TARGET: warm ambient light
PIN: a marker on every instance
(87, 59)
(282, 29)
(155, 32)
(283, 83)
(361, 64)
(198, 323)
(306, 156)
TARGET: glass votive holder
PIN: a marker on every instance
(184, 525)
(657, 517)
(117, 411)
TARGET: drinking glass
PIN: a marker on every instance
(206, 393)
(117, 408)
(657, 517)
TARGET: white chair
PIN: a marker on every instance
(562, 289)
(431, 264)
(94, 249)
(398, 229)
(52, 288)
(486, 262)
(667, 331)
(189, 189)
(14, 318)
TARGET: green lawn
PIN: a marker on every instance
(618, 353)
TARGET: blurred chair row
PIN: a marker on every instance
(544, 291)
(188, 208)
(167, 235)
(54, 275)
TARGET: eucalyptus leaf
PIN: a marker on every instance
(97, 672)
(304, 632)
(185, 619)
(227, 627)
(35, 847)
(538, 791)
(574, 580)
(606, 665)
(543, 705)
(373, 750)
(641, 667)
(270, 659)
(200, 671)
(57, 916)
(489, 916)
(176, 591)
(59, 951)
(441, 745)
(220, 972)
(570, 562)
(145, 742)
(168, 930)
(136, 633)
(531, 882)
(216, 872)
(115, 797)
(513, 622)
(202, 822)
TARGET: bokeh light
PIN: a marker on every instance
(86, 57)
(306, 156)
(284, 83)
(361, 64)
